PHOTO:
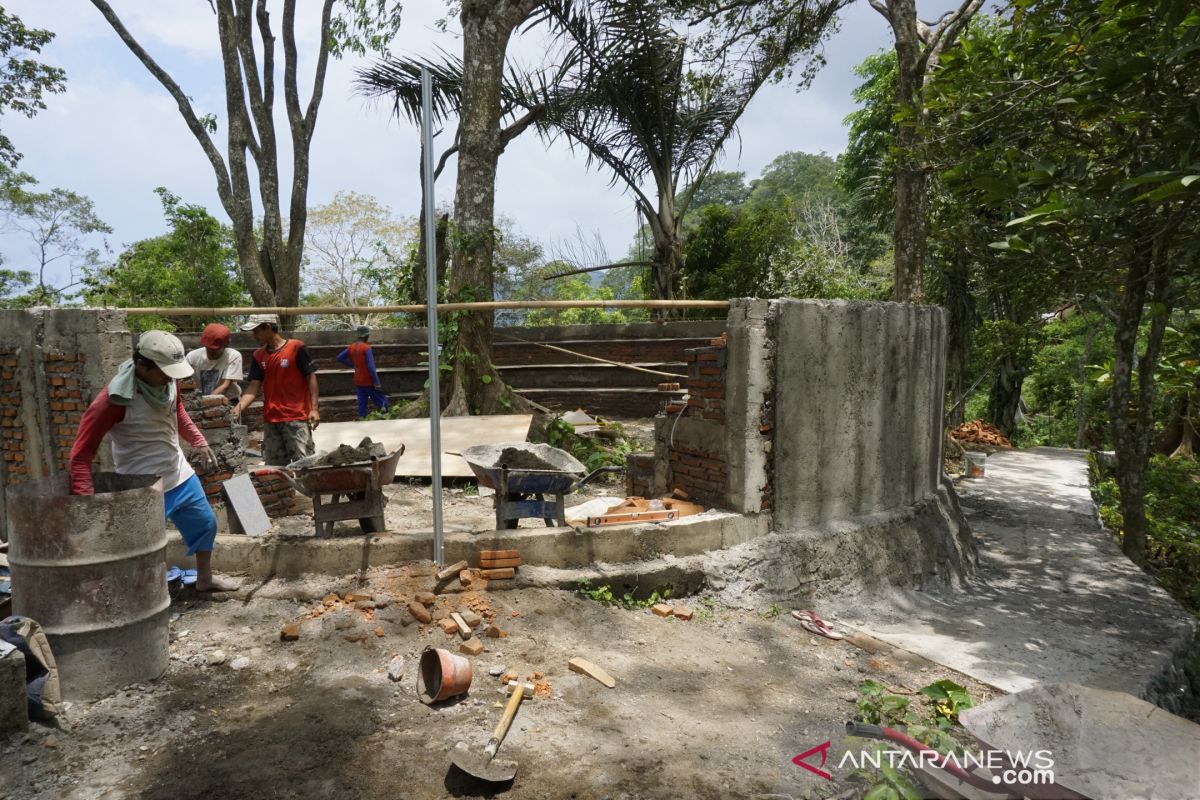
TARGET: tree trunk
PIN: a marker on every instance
(666, 265)
(912, 181)
(1004, 399)
(958, 335)
(1148, 279)
(1081, 400)
(475, 386)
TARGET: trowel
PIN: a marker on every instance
(484, 765)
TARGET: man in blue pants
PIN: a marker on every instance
(360, 358)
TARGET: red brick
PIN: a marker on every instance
(420, 613)
(706, 356)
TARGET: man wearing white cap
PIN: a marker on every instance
(284, 371)
(141, 410)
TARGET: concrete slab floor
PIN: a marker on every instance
(1055, 599)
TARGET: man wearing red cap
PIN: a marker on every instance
(218, 366)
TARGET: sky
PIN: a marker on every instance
(115, 134)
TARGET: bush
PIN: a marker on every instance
(1173, 512)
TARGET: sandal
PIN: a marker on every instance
(814, 624)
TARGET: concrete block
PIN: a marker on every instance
(14, 709)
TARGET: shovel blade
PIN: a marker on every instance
(476, 764)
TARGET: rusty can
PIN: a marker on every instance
(92, 570)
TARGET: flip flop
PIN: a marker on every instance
(814, 624)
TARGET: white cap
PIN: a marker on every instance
(166, 351)
(261, 319)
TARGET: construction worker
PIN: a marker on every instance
(360, 357)
(218, 366)
(285, 372)
(142, 412)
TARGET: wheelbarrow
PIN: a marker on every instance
(349, 491)
(523, 474)
(1065, 741)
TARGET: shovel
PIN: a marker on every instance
(484, 765)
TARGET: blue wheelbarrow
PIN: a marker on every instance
(524, 475)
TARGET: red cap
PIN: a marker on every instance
(215, 335)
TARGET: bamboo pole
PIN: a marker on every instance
(291, 311)
(656, 372)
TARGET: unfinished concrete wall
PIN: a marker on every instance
(53, 362)
(858, 416)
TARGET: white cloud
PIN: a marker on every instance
(115, 134)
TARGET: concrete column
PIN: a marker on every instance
(858, 392)
(748, 384)
(53, 362)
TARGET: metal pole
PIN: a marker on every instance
(431, 316)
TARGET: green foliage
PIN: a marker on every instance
(1059, 386)
(594, 451)
(604, 594)
(1172, 497)
(24, 81)
(193, 264)
(933, 723)
(54, 225)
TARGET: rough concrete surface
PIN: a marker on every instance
(1055, 599)
(858, 390)
(715, 707)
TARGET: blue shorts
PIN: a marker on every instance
(188, 508)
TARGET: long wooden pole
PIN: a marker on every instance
(189, 311)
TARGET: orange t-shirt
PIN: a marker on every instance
(284, 375)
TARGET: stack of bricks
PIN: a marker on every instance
(65, 381)
(213, 415)
(277, 496)
(703, 472)
(12, 436)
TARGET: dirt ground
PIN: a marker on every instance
(713, 707)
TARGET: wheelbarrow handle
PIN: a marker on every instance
(596, 472)
(285, 474)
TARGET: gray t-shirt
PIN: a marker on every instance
(209, 373)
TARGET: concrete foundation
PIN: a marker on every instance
(14, 708)
(276, 557)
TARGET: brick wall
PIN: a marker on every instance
(214, 417)
(697, 462)
(12, 433)
(65, 381)
(277, 496)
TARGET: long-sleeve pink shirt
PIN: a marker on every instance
(141, 441)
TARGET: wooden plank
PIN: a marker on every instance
(499, 563)
(464, 630)
(498, 574)
(453, 569)
(632, 517)
(585, 667)
(457, 433)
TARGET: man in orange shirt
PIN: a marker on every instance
(285, 372)
(366, 379)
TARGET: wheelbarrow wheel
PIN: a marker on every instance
(372, 524)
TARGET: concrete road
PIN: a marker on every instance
(1054, 599)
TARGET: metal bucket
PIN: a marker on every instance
(976, 465)
(442, 675)
(92, 570)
